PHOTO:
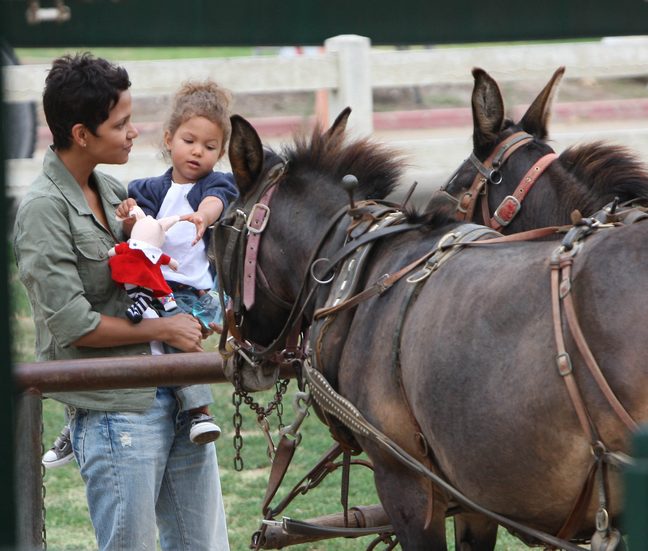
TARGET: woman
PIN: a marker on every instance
(132, 445)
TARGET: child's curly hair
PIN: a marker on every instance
(201, 99)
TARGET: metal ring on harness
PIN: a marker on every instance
(312, 272)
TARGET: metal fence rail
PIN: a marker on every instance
(34, 379)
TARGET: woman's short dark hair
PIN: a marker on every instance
(80, 89)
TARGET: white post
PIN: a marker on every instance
(354, 82)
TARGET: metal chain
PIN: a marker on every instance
(389, 540)
(43, 488)
(237, 421)
(279, 391)
(238, 397)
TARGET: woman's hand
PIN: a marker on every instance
(184, 332)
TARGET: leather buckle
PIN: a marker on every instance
(507, 210)
(258, 225)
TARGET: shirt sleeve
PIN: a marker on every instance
(143, 192)
(47, 265)
(221, 185)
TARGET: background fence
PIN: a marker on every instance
(348, 70)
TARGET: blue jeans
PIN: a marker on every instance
(192, 396)
(141, 472)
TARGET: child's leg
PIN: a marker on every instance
(61, 451)
(168, 302)
(195, 400)
(142, 300)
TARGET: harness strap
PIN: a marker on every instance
(378, 288)
(563, 360)
(590, 361)
(488, 171)
(577, 513)
(283, 456)
(561, 264)
(511, 204)
(256, 223)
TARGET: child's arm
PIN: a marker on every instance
(123, 212)
(208, 212)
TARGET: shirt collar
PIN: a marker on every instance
(60, 176)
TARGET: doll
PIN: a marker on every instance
(137, 263)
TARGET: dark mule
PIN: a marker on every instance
(530, 185)
(457, 365)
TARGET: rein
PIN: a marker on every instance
(490, 172)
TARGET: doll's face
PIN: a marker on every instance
(149, 230)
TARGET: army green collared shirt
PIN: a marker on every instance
(62, 254)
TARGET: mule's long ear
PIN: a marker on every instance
(336, 132)
(487, 109)
(245, 154)
(536, 119)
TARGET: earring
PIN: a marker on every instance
(84, 144)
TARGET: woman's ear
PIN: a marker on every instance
(80, 135)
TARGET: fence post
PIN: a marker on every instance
(636, 498)
(354, 81)
(29, 477)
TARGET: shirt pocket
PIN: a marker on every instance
(93, 268)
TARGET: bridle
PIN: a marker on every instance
(490, 171)
(242, 230)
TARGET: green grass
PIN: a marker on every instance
(67, 520)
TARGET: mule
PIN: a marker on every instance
(514, 181)
(454, 361)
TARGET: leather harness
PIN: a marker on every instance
(490, 172)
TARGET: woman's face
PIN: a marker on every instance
(114, 139)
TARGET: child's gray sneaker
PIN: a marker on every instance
(61, 452)
(203, 429)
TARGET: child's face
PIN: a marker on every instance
(114, 139)
(195, 148)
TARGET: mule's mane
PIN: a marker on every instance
(608, 171)
(377, 167)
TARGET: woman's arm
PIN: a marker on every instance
(181, 331)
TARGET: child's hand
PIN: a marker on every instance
(123, 210)
(216, 327)
(123, 213)
(173, 264)
(197, 220)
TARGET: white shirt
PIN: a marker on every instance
(193, 263)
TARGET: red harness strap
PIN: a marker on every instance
(511, 204)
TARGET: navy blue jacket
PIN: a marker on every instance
(150, 192)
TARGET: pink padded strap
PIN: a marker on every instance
(256, 223)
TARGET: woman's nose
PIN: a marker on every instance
(132, 131)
